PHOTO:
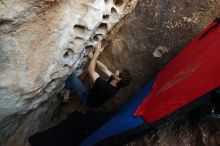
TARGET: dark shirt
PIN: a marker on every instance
(101, 92)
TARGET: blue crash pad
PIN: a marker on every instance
(122, 121)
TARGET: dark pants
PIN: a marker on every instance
(73, 83)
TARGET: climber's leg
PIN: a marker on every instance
(73, 83)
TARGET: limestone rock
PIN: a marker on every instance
(41, 42)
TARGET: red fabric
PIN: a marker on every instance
(192, 73)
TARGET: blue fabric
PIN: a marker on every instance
(122, 121)
(73, 83)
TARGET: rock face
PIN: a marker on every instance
(41, 42)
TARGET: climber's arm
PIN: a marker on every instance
(91, 69)
(101, 66)
(104, 68)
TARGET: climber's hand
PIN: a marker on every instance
(90, 55)
(99, 48)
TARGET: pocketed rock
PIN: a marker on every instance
(41, 43)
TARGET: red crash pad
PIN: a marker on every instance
(192, 73)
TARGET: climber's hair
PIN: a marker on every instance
(126, 78)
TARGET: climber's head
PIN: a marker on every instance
(123, 77)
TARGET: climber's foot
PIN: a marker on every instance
(66, 96)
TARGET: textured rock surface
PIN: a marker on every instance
(41, 42)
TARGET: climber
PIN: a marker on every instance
(102, 90)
